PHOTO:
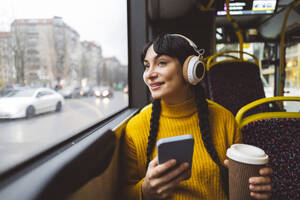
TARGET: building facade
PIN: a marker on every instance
(48, 52)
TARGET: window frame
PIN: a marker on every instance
(32, 176)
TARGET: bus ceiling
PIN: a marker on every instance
(266, 24)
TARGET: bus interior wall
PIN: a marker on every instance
(198, 26)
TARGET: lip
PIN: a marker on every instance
(156, 85)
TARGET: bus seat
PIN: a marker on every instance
(233, 82)
(278, 133)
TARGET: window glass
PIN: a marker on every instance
(78, 49)
(292, 76)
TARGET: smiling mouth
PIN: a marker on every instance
(155, 86)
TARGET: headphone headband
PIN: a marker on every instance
(191, 43)
(193, 67)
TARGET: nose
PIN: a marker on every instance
(151, 73)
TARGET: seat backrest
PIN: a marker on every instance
(278, 134)
(234, 83)
(280, 139)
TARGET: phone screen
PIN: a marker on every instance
(179, 148)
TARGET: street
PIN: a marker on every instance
(21, 139)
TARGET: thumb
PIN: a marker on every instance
(226, 163)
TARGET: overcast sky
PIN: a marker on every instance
(102, 21)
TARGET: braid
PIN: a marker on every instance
(202, 108)
(154, 124)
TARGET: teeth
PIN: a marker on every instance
(156, 84)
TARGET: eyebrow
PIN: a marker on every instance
(156, 57)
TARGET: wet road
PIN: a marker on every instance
(21, 139)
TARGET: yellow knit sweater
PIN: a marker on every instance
(176, 120)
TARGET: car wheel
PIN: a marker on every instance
(30, 112)
(58, 106)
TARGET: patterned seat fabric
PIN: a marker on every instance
(280, 139)
(235, 84)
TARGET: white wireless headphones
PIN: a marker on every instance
(193, 67)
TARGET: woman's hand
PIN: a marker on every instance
(260, 187)
(160, 185)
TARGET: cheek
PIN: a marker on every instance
(175, 77)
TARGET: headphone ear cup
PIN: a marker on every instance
(185, 68)
(193, 70)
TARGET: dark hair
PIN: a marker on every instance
(178, 47)
(173, 46)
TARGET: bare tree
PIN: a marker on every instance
(84, 66)
(18, 46)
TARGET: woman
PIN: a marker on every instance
(180, 108)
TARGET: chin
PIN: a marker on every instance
(156, 96)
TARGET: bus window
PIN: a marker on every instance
(255, 49)
(72, 48)
(292, 76)
(292, 70)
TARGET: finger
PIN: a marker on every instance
(164, 179)
(260, 180)
(162, 168)
(260, 188)
(153, 162)
(171, 185)
(266, 171)
(260, 195)
(174, 173)
(166, 195)
(226, 163)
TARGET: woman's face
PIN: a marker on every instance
(163, 76)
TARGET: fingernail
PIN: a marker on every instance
(251, 180)
(252, 194)
(251, 187)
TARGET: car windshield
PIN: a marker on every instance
(21, 93)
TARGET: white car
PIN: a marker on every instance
(29, 102)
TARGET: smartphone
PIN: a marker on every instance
(180, 148)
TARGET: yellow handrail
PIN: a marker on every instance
(236, 29)
(243, 110)
(203, 8)
(223, 53)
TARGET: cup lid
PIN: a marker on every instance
(247, 154)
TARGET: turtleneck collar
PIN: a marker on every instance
(184, 109)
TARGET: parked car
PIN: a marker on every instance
(29, 102)
(103, 92)
(70, 92)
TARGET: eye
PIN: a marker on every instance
(162, 63)
(146, 66)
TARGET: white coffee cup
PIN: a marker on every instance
(248, 154)
(245, 161)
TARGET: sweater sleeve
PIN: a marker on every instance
(131, 182)
(237, 134)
